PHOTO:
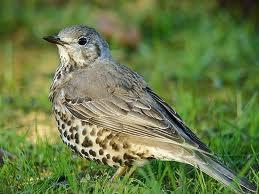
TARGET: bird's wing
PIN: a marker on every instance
(184, 130)
(130, 108)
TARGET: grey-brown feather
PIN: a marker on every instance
(121, 101)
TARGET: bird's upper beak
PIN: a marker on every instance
(54, 39)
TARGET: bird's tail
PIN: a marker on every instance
(212, 167)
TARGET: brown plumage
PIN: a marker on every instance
(108, 113)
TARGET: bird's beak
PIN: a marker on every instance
(54, 40)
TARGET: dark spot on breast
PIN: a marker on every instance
(73, 147)
(93, 153)
(63, 126)
(103, 144)
(125, 145)
(87, 99)
(64, 141)
(127, 156)
(105, 130)
(110, 136)
(115, 159)
(70, 68)
(99, 133)
(115, 147)
(80, 100)
(73, 101)
(69, 122)
(97, 141)
(141, 155)
(68, 138)
(84, 123)
(101, 151)
(111, 142)
(150, 158)
(65, 133)
(87, 142)
(120, 161)
(67, 99)
(59, 75)
(80, 154)
(63, 117)
(73, 129)
(84, 152)
(128, 162)
(92, 132)
(104, 160)
(77, 138)
(108, 156)
(84, 132)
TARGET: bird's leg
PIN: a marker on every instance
(131, 171)
(120, 171)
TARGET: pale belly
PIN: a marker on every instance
(98, 144)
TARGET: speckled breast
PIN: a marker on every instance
(96, 143)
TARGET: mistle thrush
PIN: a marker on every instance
(108, 113)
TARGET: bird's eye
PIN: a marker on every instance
(82, 41)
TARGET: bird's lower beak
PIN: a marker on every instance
(54, 40)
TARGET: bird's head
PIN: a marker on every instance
(79, 44)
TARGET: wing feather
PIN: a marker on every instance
(114, 97)
(133, 117)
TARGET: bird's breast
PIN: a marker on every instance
(97, 143)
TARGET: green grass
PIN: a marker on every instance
(199, 58)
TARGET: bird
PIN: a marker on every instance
(107, 113)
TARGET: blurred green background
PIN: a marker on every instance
(201, 56)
